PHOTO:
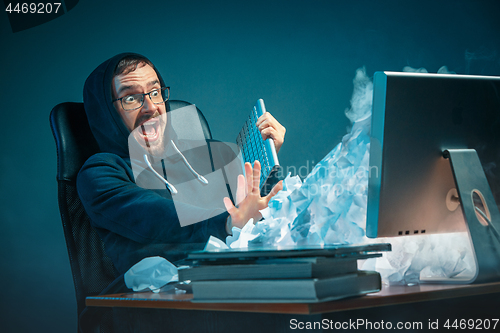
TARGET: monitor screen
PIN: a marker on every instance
(417, 116)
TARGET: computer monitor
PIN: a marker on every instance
(416, 117)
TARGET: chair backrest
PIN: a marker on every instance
(176, 104)
(92, 269)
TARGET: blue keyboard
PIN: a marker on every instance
(254, 148)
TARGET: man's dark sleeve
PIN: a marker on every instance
(115, 203)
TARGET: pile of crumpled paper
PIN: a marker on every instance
(329, 207)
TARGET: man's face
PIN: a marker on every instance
(149, 126)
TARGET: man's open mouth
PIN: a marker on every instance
(150, 130)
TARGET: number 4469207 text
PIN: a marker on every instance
(33, 8)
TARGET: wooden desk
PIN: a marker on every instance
(424, 303)
(389, 295)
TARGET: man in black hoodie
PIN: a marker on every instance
(123, 94)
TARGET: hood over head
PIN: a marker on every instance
(104, 120)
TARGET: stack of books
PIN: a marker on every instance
(267, 275)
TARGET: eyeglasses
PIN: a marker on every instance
(136, 101)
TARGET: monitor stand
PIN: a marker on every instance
(480, 211)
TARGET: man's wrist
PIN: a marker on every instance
(229, 226)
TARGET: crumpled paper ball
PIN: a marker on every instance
(151, 273)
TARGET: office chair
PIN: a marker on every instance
(92, 269)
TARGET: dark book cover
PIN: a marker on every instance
(287, 290)
(271, 269)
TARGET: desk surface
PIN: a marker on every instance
(389, 295)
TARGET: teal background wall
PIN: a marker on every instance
(299, 56)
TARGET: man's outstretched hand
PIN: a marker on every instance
(248, 199)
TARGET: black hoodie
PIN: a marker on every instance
(132, 221)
